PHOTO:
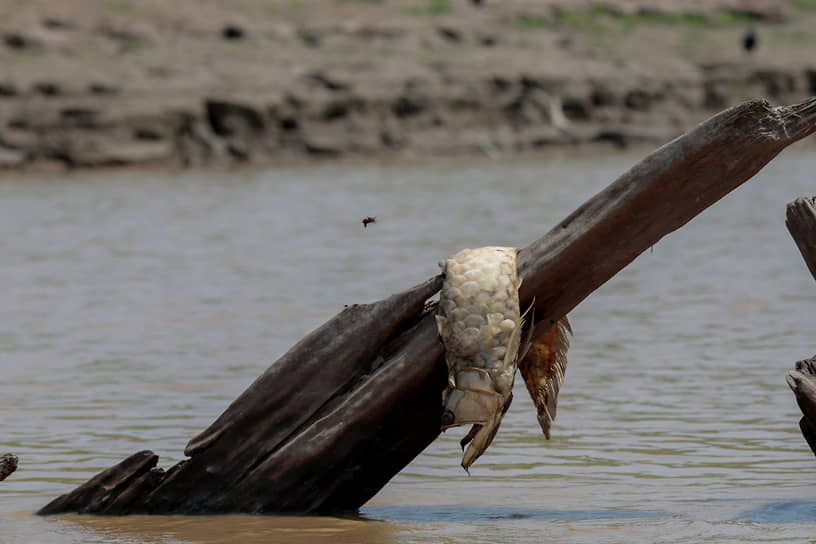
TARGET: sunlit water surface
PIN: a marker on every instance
(136, 306)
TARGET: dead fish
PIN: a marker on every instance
(480, 324)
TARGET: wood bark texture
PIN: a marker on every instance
(8, 464)
(336, 417)
(801, 223)
(802, 382)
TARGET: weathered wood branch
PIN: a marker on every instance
(328, 424)
(801, 223)
(802, 382)
(8, 464)
(657, 196)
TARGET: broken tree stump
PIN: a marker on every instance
(8, 464)
(336, 417)
(801, 223)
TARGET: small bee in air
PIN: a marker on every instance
(368, 220)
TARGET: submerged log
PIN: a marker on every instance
(801, 223)
(8, 464)
(335, 418)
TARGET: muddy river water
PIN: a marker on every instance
(135, 306)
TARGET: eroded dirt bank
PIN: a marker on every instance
(92, 83)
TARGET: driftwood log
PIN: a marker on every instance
(336, 417)
(801, 223)
(8, 464)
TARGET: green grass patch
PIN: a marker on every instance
(308, 38)
(432, 7)
(122, 6)
(796, 37)
(804, 5)
(693, 37)
(687, 20)
(594, 20)
(531, 21)
(600, 19)
(694, 20)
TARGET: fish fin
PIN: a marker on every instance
(441, 324)
(483, 436)
(507, 403)
(511, 355)
(529, 308)
(513, 344)
(475, 429)
(481, 439)
(469, 436)
(525, 344)
(543, 369)
(512, 347)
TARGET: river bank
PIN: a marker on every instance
(115, 83)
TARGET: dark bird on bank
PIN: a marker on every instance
(368, 220)
(232, 32)
(750, 40)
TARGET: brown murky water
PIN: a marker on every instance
(136, 307)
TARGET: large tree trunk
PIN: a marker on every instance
(801, 223)
(335, 418)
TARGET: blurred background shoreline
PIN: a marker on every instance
(206, 83)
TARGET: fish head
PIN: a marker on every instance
(473, 400)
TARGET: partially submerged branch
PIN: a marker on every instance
(335, 418)
(802, 382)
(655, 197)
(801, 223)
(8, 464)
